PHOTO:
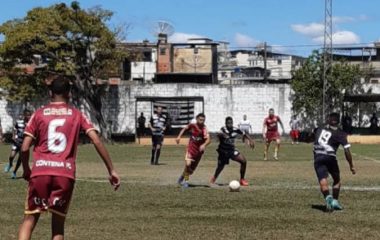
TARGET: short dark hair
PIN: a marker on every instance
(201, 115)
(334, 117)
(229, 119)
(271, 109)
(60, 85)
(26, 111)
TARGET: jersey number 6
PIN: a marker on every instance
(56, 140)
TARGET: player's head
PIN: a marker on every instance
(159, 110)
(60, 87)
(27, 114)
(271, 112)
(244, 117)
(141, 114)
(229, 122)
(201, 118)
(294, 117)
(333, 119)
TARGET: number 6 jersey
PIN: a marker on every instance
(55, 129)
(327, 141)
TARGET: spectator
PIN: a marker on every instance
(141, 125)
(374, 121)
(347, 123)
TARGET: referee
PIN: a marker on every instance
(157, 125)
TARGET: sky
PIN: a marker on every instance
(287, 25)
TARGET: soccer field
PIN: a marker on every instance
(283, 201)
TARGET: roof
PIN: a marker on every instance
(362, 98)
(152, 99)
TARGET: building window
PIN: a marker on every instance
(162, 51)
(147, 56)
(279, 62)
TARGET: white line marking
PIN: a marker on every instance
(366, 158)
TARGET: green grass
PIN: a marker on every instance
(282, 203)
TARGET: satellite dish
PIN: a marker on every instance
(162, 27)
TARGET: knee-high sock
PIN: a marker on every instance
(153, 155)
(18, 164)
(218, 170)
(157, 155)
(243, 168)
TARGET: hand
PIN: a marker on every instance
(26, 174)
(353, 170)
(264, 137)
(178, 140)
(114, 180)
(202, 148)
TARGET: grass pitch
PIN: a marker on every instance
(283, 201)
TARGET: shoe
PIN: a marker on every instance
(275, 158)
(180, 180)
(336, 205)
(14, 175)
(265, 159)
(185, 184)
(7, 168)
(329, 203)
(244, 182)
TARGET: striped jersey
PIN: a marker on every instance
(328, 140)
(19, 127)
(158, 122)
(227, 138)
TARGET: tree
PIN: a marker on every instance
(67, 40)
(307, 86)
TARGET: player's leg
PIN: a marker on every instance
(277, 148)
(266, 149)
(12, 156)
(57, 227)
(18, 164)
(157, 153)
(223, 159)
(154, 151)
(243, 167)
(335, 174)
(27, 226)
(322, 174)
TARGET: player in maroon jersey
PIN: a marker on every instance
(197, 144)
(54, 132)
(270, 133)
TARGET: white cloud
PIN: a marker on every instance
(310, 30)
(242, 40)
(341, 37)
(179, 37)
(343, 19)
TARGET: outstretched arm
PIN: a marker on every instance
(24, 155)
(178, 139)
(348, 155)
(282, 126)
(102, 151)
(264, 130)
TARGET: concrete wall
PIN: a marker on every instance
(219, 101)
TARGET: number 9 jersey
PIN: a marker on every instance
(327, 141)
(55, 129)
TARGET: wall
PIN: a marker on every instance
(219, 100)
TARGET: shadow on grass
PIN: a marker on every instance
(199, 186)
(319, 207)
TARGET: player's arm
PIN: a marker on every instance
(251, 141)
(150, 125)
(178, 139)
(24, 156)
(264, 130)
(102, 151)
(282, 125)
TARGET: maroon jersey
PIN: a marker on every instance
(55, 129)
(198, 135)
(272, 123)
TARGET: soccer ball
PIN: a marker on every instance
(234, 186)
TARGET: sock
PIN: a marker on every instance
(336, 193)
(152, 158)
(158, 152)
(186, 176)
(325, 193)
(276, 151)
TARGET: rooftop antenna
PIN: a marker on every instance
(162, 27)
(327, 56)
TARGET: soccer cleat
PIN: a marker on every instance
(185, 184)
(14, 175)
(329, 203)
(275, 157)
(180, 179)
(212, 180)
(336, 205)
(7, 168)
(244, 182)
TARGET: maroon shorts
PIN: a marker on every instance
(272, 136)
(49, 193)
(294, 134)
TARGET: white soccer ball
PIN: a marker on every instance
(234, 186)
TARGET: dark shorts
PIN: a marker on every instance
(325, 165)
(224, 156)
(16, 146)
(157, 140)
(49, 193)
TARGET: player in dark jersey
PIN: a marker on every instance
(54, 132)
(18, 137)
(326, 143)
(271, 133)
(157, 125)
(198, 142)
(227, 150)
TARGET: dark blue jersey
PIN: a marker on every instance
(227, 138)
(327, 141)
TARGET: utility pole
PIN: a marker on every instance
(327, 57)
(265, 62)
